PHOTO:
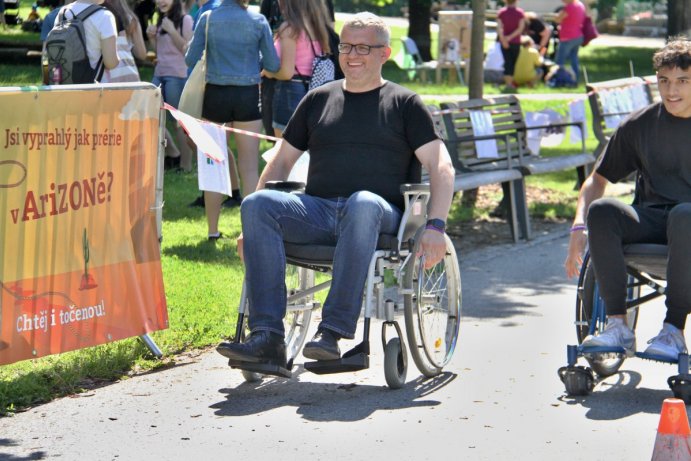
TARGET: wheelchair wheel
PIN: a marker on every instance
(588, 302)
(298, 315)
(394, 363)
(433, 310)
(299, 310)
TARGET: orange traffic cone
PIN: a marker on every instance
(673, 441)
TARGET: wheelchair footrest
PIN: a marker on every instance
(354, 362)
(655, 357)
(263, 368)
(601, 350)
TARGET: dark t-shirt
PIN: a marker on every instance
(361, 141)
(534, 29)
(511, 18)
(658, 145)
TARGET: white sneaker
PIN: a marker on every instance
(669, 343)
(616, 334)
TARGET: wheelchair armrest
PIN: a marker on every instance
(286, 186)
(414, 188)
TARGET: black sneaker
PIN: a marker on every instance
(198, 202)
(232, 202)
(262, 346)
(213, 238)
(171, 163)
(323, 346)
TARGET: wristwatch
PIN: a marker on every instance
(438, 224)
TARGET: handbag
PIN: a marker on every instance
(589, 31)
(192, 97)
(323, 70)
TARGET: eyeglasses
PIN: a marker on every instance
(361, 49)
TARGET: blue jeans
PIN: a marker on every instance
(568, 51)
(287, 96)
(352, 224)
(171, 89)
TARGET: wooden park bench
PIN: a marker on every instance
(489, 136)
(468, 178)
(612, 101)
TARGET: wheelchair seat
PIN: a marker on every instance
(649, 258)
(323, 255)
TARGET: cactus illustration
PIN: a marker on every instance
(85, 247)
(87, 281)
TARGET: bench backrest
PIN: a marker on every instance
(507, 124)
(612, 101)
(651, 86)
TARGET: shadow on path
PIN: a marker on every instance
(13, 443)
(326, 401)
(616, 400)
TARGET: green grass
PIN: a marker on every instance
(202, 280)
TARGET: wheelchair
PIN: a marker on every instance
(431, 300)
(646, 266)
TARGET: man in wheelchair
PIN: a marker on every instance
(655, 144)
(366, 136)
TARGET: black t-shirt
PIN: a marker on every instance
(658, 146)
(534, 29)
(361, 141)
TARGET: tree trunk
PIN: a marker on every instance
(419, 15)
(477, 50)
(476, 78)
(678, 17)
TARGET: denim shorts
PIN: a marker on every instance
(229, 103)
(287, 95)
(171, 88)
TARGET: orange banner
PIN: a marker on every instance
(80, 253)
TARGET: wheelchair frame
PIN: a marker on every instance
(646, 266)
(397, 262)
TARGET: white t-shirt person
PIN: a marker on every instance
(100, 32)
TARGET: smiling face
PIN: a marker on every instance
(164, 5)
(675, 90)
(363, 72)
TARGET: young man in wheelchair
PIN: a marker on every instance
(655, 144)
(366, 136)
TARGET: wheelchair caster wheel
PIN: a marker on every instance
(681, 387)
(395, 363)
(577, 380)
(251, 376)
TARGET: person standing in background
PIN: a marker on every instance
(130, 43)
(169, 37)
(100, 31)
(202, 7)
(510, 21)
(301, 37)
(272, 12)
(46, 26)
(144, 9)
(49, 20)
(238, 46)
(570, 20)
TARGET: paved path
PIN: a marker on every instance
(499, 399)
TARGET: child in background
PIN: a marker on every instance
(170, 37)
(130, 43)
(528, 65)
